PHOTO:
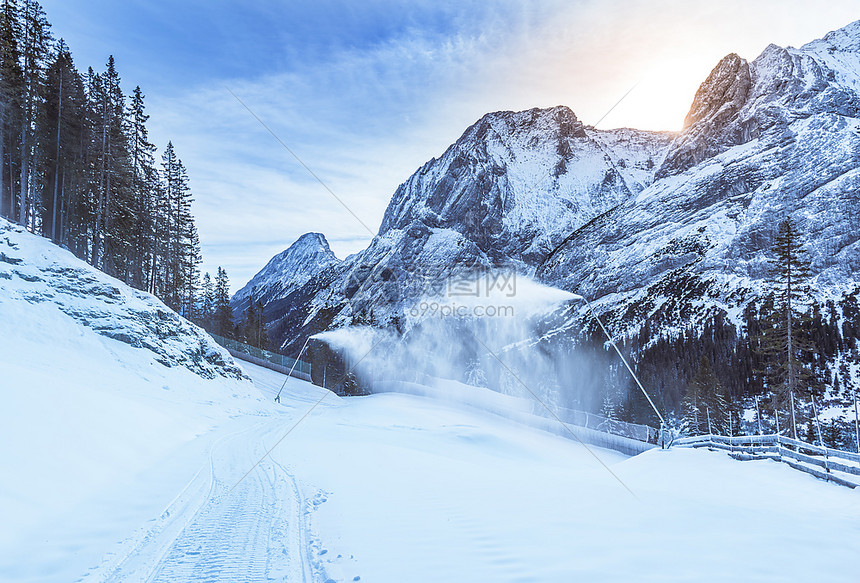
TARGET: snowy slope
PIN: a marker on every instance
(393, 488)
(118, 467)
(34, 271)
(423, 491)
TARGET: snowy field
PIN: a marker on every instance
(117, 463)
(122, 479)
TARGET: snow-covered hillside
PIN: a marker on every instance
(121, 465)
(34, 271)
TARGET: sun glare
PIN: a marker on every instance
(661, 97)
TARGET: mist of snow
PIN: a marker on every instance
(502, 339)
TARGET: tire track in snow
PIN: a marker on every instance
(256, 532)
(253, 533)
(296, 533)
(141, 551)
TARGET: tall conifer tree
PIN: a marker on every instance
(223, 311)
(782, 342)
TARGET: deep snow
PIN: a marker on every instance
(116, 466)
(399, 488)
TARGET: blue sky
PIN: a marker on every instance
(366, 92)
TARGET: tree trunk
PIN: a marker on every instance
(788, 321)
(108, 262)
(22, 196)
(22, 202)
(3, 159)
(100, 208)
(61, 238)
(57, 170)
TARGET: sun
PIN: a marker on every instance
(660, 99)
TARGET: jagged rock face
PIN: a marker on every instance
(779, 137)
(516, 183)
(722, 94)
(708, 128)
(286, 272)
(740, 101)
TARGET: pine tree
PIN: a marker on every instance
(207, 303)
(144, 177)
(181, 247)
(74, 199)
(223, 311)
(119, 204)
(11, 92)
(783, 347)
(262, 333)
(191, 271)
(249, 326)
(608, 412)
(61, 135)
(254, 327)
(475, 374)
(34, 48)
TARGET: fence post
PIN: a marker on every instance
(856, 420)
(758, 414)
(820, 440)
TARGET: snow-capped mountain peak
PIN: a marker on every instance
(515, 183)
(741, 100)
(288, 270)
(839, 51)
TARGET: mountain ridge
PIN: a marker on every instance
(668, 234)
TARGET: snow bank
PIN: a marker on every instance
(33, 270)
(102, 390)
(528, 412)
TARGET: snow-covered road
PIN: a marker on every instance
(249, 530)
(393, 488)
(241, 517)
